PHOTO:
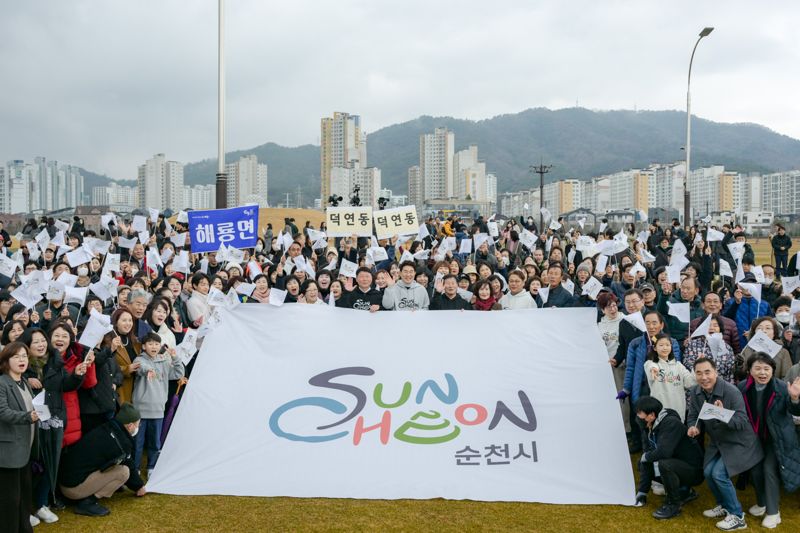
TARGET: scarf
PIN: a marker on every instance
(37, 364)
(484, 305)
(759, 419)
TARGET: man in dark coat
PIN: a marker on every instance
(101, 462)
(364, 297)
(558, 295)
(781, 244)
(669, 452)
(732, 446)
(448, 298)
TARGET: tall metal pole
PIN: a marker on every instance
(222, 177)
(541, 170)
(687, 210)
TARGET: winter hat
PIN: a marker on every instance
(127, 414)
(583, 267)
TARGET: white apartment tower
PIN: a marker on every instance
(436, 151)
(160, 184)
(247, 182)
(469, 175)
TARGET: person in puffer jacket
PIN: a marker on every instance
(76, 361)
(770, 404)
(406, 294)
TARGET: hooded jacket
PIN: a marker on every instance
(405, 297)
(667, 439)
(521, 300)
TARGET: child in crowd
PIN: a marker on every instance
(157, 365)
(667, 377)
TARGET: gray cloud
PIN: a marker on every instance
(105, 84)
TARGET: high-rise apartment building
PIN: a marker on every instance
(436, 151)
(342, 146)
(199, 197)
(416, 194)
(469, 175)
(780, 192)
(704, 188)
(114, 194)
(247, 182)
(629, 189)
(160, 184)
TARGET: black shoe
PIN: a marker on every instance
(57, 505)
(689, 496)
(667, 511)
(90, 507)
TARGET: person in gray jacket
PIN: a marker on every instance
(17, 431)
(732, 448)
(406, 294)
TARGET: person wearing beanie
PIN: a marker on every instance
(101, 462)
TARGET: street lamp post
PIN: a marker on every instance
(687, 210)
(222, 177)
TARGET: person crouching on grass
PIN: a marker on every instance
(156, 367)
(670, 453)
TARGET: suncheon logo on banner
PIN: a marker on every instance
(426, 426)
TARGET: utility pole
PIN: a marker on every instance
(541, 170)
(288, 204)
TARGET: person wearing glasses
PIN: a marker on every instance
(17, 431)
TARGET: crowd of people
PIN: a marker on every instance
(679, 311)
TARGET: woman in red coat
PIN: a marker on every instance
(80, 361)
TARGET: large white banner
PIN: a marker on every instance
(312, 401)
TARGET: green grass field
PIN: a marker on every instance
(157, 512)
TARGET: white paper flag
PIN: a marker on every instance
(680, 311)
(348, 268)
(753, 288)
(144, 237)
(494, 231)
(592, 287)
(127, 243)
(139, 223)
(423, 232)
(181, 262)
(674, 273)
(602, 263)
(106, 219)
(55, 291)
(153, 214)
(678, 252)
(725, 268)
(790, 284)
(762, 343)
(466, 246)
(714, 235)
(636, 319)
(712, 412)
(69, 280)
(702, 329)
(75, 295)
(546, 215)
(638, 267)
(555, 225)
(276, 297)
(78, 257)
(647, 257)
(246, 289)
(7, 266)
(179, 240)
(544, 293)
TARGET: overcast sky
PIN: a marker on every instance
(107, 83)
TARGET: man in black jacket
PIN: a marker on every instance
(670, 453)
(781, 243)
(446, 297)
(101, 462)
(364, 297)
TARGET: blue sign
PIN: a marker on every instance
(235, 227)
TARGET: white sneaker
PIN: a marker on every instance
(771, 521)
(757, 510)
(34, 521)
(731, 522)
(658, 488)
(716, 512)
(46, 515)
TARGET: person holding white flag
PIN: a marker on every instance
(700, 346)
(689, 293)
(667, 378)
(743, 308)
(770, 404)
(732, 447)
(769, 327)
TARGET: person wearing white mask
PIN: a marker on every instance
(782, 307)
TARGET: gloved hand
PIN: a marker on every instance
(641, 499)
(621, 395)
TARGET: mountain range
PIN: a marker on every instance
(579, 143)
